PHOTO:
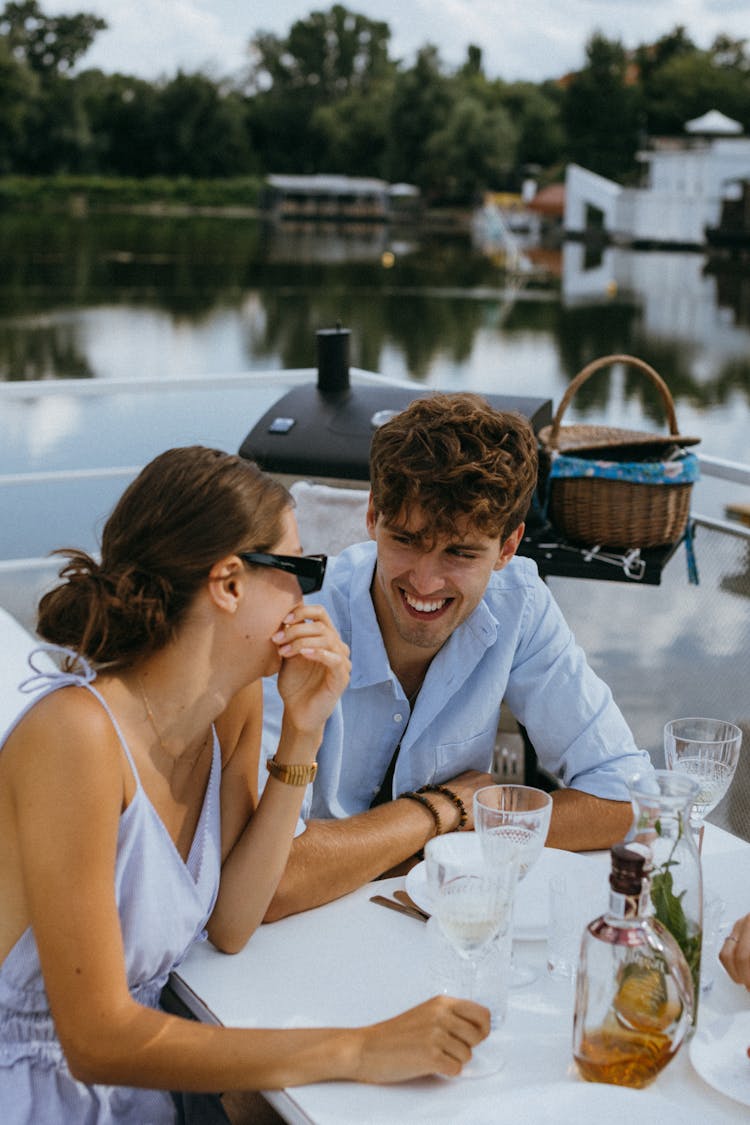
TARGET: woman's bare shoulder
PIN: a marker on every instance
(65, 727)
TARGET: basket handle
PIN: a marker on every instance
(605, 361)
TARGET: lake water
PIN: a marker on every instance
(138, 296)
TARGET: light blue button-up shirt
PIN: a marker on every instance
(515, 646)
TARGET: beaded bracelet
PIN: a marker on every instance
(411, 796)
(453, 798)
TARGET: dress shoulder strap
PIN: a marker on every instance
(80, 671)
(78, 674)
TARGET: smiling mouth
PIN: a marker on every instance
(425, 606)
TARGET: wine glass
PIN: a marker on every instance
(472, 903)
(520, 815)
(708, 751)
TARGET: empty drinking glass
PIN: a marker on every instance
(518, 815)
(708, 751)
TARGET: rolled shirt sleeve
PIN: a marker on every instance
(573, 722)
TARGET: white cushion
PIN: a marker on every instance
(15, 645)
(329, 518)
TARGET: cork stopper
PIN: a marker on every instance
(631, 864)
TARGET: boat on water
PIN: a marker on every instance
(666, 646)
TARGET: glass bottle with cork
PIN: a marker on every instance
(634, 991)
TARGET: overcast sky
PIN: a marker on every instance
(531, 39)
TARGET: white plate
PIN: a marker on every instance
(531, 908)
(719, 1054)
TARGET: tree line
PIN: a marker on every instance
(329, 97)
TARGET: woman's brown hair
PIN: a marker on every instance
(185, 510)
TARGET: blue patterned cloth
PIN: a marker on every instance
(680, 470)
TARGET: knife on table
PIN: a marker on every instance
(400, 907)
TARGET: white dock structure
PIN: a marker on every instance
(686, 181)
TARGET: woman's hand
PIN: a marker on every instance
(735, 952)
(436, 1037)
(315, 667)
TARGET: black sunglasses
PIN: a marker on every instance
(307, 569)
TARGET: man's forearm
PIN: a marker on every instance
(581, 822)
(333, 857)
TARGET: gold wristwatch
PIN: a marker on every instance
(291, 774)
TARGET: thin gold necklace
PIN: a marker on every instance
(157, 732)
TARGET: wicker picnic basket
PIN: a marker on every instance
(579, 464)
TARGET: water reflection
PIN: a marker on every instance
(140, 295)
(732, 285)
(683, 294)
(334, 243)
(42, 348)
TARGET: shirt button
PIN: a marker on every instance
(398, 717)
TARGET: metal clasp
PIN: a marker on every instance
(631, 562)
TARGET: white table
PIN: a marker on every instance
(351, 962)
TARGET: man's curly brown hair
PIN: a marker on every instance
(458, 459)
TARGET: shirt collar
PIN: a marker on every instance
(371, 665)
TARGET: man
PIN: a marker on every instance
(444, 621)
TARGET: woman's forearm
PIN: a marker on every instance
(151, 1049)
(148, 1048)
(252, 870)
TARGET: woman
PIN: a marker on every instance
(129, 815)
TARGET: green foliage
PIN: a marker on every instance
(419, 104)
(328, 97)
(690, 83)
(536, 113)
(601, 111)
(352, 130)
(109, 192)
(326, 55)
(307, 110)
(669, 910)
(49, 44)
(668, 905)
(18, 90)
(472, 151)
(191, 109)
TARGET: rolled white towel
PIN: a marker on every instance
(329, 518)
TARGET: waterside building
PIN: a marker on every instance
(337, 198)
(686, 182)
